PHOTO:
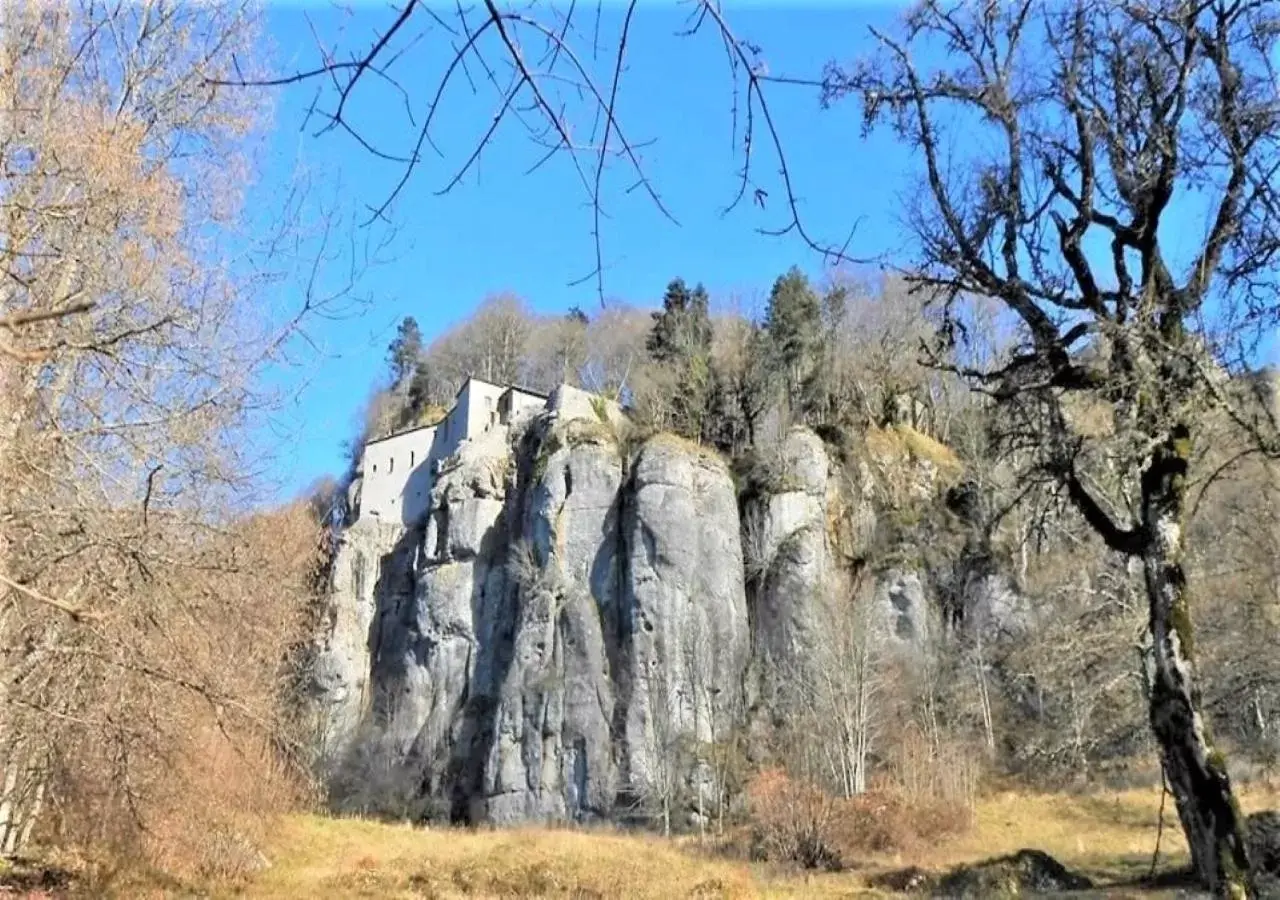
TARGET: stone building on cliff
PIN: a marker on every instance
(397, 472)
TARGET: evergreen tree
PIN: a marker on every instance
(682, 330)
(421, 385)
(404, 351)
(822, 397)
(794, 324)
(680, 343)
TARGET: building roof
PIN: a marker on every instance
(525, 390)
(396, 434)
(505, 388)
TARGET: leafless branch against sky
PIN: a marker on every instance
(558, 75)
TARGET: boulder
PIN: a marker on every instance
(1022, 874)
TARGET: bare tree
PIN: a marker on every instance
(659, 788)
(842, 685)
(1101, 116)
(555, 352)
(134, 318)
(615, 350)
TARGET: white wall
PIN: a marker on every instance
(396, 476)
(398, 472)
(478, 404)
(450, 432)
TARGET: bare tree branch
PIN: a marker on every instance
(74, 612)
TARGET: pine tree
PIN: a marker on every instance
(682, 330)
(680, 342)
(794, 325)
(404, 351)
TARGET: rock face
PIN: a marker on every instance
(788, 542)
(550, 755)
(805, 539)
(537, 646)
(342, 671)
(684, 615)
(573, 614)
(901, 617)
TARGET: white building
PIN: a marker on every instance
(398, 471)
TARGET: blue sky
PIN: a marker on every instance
(503, 230)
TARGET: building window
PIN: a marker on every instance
(375, 468)
(391, 465)
(411, 457)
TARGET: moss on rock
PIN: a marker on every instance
(1025, 873)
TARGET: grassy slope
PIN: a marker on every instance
(1109, 836)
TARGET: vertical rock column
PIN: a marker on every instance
(787, 539)
(552, 754)
(684, 625)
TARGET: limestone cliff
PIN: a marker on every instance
(524, 652)
(573, 609)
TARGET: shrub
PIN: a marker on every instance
(792, 821)
(886, 821)
(942, 773)
(796, 821)
(181, 751)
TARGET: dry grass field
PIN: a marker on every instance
(1108, 836)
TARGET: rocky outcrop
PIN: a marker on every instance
(551, 755)
(366, 564)
(577, 610)
(538, 644)
(429, 606)
(788, 544)
(684, 616)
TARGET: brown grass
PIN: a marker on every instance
(897, 441)
(1109, 836)
(350, 858)
(703, 452)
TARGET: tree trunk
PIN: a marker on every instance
(1207, 808)
(984, 698)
